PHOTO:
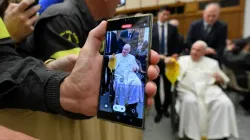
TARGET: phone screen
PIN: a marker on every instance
(126, 53)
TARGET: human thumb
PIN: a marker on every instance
(95, 39)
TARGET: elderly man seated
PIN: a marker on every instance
(204, 109)
(128, 87)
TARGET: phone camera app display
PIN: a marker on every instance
(124, 74)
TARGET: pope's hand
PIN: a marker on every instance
(134, 69)
(210, 51)
(218, 78)
(79, 91)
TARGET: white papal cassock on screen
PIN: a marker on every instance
(128, 87)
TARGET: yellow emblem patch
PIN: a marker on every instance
(70, 36)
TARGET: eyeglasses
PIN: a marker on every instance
(122, 3)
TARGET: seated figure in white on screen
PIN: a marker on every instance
(128, 87)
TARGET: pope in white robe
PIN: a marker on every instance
(204, 109)
(128, 87)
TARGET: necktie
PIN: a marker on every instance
(162, 48)
(208, 29)
(108, 43)
(129, 35)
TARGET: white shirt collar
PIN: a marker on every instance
(160, 23)
(206, 24)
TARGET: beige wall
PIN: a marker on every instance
(247, 19)
(133, 4)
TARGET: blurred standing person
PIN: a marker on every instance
(142, 54)
(181, 43)
(165, 42)
(210, 30)
(131, 37)
(237, 58)
(111, 47)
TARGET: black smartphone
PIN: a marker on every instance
(126, 59)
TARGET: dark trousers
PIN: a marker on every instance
(167, 91)
(246, 102)
(105, 86)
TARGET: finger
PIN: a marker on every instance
(154, 57)
(32, 20)
(95, 38)
(32, 11)
(24, 4)
(153, 72)
(150, 102)
(11, 7)
(150, 89)
(31, 29)
(72, 59)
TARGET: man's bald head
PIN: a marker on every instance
(126, 49)
(211, 13)
(198, 50)
(174, 22)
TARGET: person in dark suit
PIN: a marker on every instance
(111, 48)
(130, 37)
(181, 43)
(165, 42)
(210, 30)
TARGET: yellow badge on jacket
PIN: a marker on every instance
(172, 71)
(112, 63)
(3, 31)
(70, 36)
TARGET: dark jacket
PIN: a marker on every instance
(27, 84)
(172, 39)
(62, 27)
(240, 64)
(132, 41)
(111, 43)
(216, 38)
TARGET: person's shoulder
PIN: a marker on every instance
(65, 8)
(197, 22)
(131, 56)
(171, 26)
(210, 61)
(183, 58)
(221, 23)
(118, 55)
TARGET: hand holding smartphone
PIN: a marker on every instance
(122, 92)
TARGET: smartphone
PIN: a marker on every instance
(125, 61)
